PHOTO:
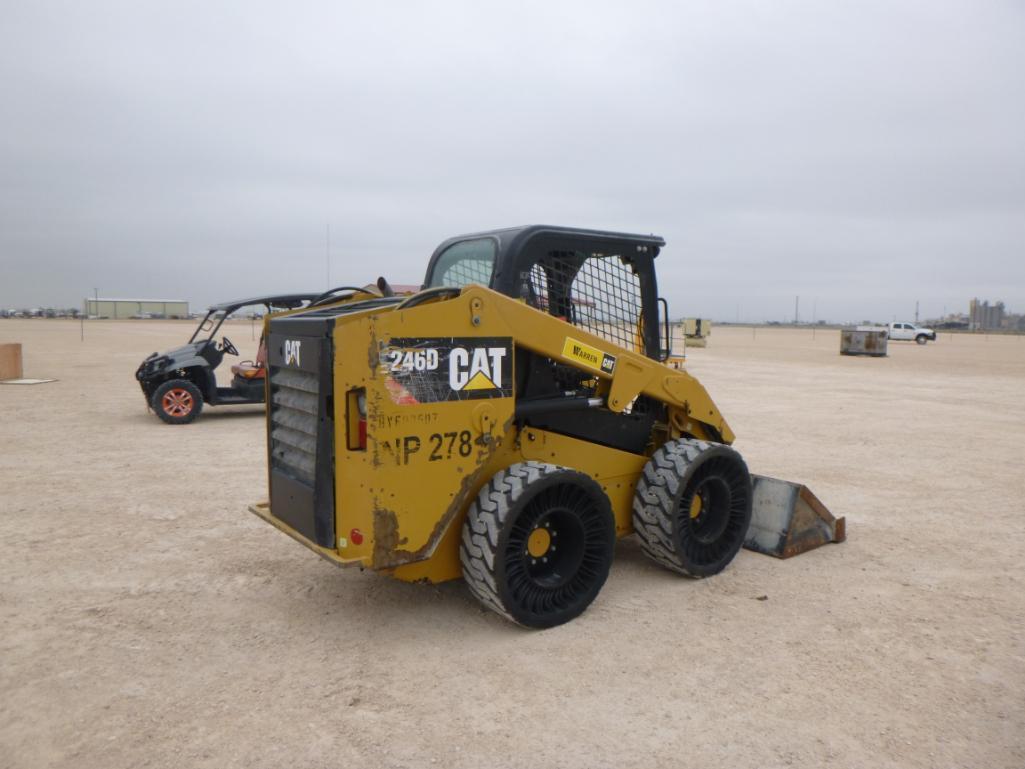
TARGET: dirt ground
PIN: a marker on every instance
(148, 620)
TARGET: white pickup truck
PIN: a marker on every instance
(910, 332)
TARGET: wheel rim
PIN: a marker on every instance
(709, 509)
(556, 551)
(177, 402)
(713, 511)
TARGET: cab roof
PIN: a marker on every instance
(513, 238)
(517, 248)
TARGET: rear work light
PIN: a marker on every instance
(356, 419)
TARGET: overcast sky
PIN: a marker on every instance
(860, 154)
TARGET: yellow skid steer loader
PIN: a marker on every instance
(507, 423)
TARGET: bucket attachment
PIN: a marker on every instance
(787, 519)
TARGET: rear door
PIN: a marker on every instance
(300, 417)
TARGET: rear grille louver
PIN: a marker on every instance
(293, 423)
(301, 425)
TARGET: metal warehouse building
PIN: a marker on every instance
(126, 308)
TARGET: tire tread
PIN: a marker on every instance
(654, 504)
(485, 520)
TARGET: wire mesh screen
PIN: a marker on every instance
(597, 292)
(539, 287)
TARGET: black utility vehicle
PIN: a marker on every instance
(177, 383)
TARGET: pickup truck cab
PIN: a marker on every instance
(909, 332)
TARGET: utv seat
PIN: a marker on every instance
(249, 370)
(257, 369)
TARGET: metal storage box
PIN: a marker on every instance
(863, 342)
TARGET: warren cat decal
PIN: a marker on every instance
(589, 356)
(431, 370)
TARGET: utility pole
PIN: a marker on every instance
(797, 302)
(916, 312)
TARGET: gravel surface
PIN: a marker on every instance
(148, 620)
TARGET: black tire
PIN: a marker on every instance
(701, 543)
(177, 401)
(921, 339)
(510, 536)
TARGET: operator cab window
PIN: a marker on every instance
(470, 261)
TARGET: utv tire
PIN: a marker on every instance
(177, 401)
(537, 543)
(921, 339)
(692, 506)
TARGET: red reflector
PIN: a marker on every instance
(356, 537)
(363, 433)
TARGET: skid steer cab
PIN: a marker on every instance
(504, 425)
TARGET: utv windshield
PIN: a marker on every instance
(209, 326)
(463, 263)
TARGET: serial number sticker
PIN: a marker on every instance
(435, 447)
(589, 356)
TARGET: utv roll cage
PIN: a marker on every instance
(223, 311)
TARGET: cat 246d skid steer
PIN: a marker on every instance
(508, 423)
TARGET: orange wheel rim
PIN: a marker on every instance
(177, 402)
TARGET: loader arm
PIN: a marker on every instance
(626, 374)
